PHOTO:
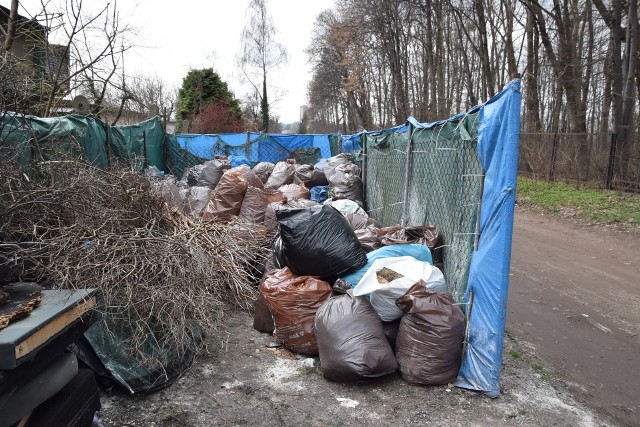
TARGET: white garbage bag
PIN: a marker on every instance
(383, 295)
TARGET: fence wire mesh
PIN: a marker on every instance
(440, 176)
(597, 159)
(190, 150)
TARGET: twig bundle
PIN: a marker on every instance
(157, 269)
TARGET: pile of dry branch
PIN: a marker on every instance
(90, 228)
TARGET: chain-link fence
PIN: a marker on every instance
(184, 151)
(580, 157)
(429, 176)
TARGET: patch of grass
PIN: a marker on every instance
(602, 206)
(515, 354)
(543, 373)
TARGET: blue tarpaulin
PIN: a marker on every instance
(262, 147)
(498, 139)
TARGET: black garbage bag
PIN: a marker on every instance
(351, 340)
(318, 241)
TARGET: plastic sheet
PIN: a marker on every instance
(351, 340)
(429, 341)
(237, 160)
(318, 241)
(293, 301)
(157, 367)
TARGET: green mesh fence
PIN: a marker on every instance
(385, 166)
(440, 175)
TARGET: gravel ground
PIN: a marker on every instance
(239, 381)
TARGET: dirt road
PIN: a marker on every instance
(574, 300)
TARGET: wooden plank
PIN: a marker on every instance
(52, 328)
(55, 303)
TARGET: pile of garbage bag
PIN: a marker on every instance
(368, 300)
(367, 307)
(225, 187)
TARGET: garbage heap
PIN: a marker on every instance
(368, 300)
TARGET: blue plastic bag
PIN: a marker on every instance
(320, 193)
(419, 252)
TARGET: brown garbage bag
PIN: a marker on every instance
(429, 341)
(197, 200)
(256, 201)
(270, 221)
(309, 176)
(263, 170)
(427, 235)
(282, 174)
(358, 222)
(262, 318)
(226, 199)
(335, 161)
(252, 178)
(293, 301)
(351, 340)
(212, 171)
(294, 191)
(371, 237)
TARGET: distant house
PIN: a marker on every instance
(31, 47)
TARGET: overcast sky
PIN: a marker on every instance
(174, 36)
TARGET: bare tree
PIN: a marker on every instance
(260, 55)
(86, 56)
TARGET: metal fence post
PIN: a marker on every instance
(363, 150)
(554, 157)
(144, 148)
(612, 160)
(407, 174)
(247, 146)
(107, 144)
